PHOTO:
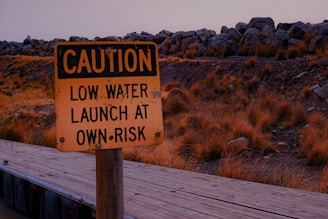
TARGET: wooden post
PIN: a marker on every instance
(109, 177)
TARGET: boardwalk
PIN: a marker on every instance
(159, 192)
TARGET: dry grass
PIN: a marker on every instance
(267, 68)
(251, 62)
(226, 118)
(306, 92)
(314, 142)
(323, 184)
(281, 174)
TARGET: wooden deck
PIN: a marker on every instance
(159, 192)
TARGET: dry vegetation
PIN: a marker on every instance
(230, 121)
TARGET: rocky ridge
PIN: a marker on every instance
(258, 37)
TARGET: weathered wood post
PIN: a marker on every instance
(109, 170)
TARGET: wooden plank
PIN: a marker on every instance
(195, 205)
(165, 191)
(253, 195)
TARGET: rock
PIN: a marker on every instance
(225, 43)
(310, 109)
(267, 30)
(165, 46)
(322, 92)
(186, 42)
(280, 38)
(251, 38)
(314, 42)
(218, 40)
(27, 40)
(293, 42)
(301, 74)
(144, 33)
(260, 22)
(284, 26)
(35, 43)
(298, 30)
(108, 38)
(320, 29)
(188, 34)
(74, 39)
(178, 36)
(241, 27)
(244, 39)
(205, 34)
(234, 34)
(161, 36)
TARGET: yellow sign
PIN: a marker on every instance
(107, 95)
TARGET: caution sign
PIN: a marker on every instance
(107, 95)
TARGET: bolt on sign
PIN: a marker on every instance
(107, 95)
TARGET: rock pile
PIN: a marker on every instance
(258, 37)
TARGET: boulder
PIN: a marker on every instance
(284, 26)
(251, 38)
(294, 42)
(218, 40)
(267, 30)
(260, 22)
(178, 36)
(235, 35)
(241, 27)
(161, 36)
(322, 92)
(204, 34)
(314, 42)
(186, 42)
(224, 43)
(298, 30)
(108, 38)
(27, 40)
(320, 29)
(281, 38)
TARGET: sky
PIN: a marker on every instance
(49, 19)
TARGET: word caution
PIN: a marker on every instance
(102, 60)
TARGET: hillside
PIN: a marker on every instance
(252, 118)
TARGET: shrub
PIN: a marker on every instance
(207, 89)
(177, 101)
(319, 154)
(187, 146)
(267, 68)
(317, 120)
(313, 63)
(283, 112)
(213, 148)
(253, 84)
(306, 92)
(281, 54)
(323, 184)
(251, 62)
(299, 117)
(298, 50)
(231, 167)
(170, 85)
(308, 139)
(265, 122)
